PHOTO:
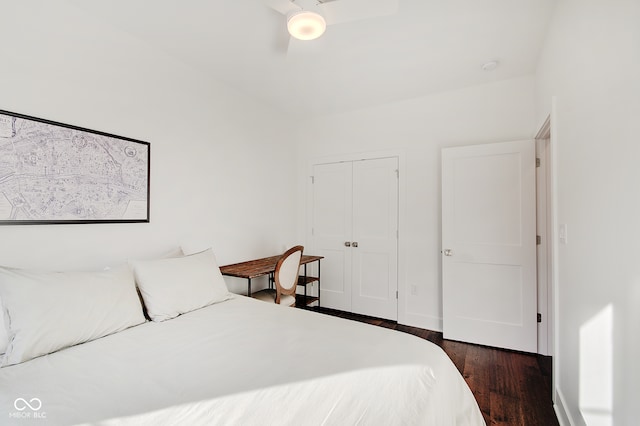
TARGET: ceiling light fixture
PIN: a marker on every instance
(305, 25)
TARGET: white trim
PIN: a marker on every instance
(426, 322)
(542, 249)
(402, 211)
(549, 130)
(553, 208)
(547, 205)
(564, 416)
(370, 155)
(545, 129)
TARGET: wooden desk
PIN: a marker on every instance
(267, 266)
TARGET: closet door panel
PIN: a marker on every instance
(375, 231)
(331, 228)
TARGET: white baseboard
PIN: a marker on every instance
(421, 321)
(564, 417)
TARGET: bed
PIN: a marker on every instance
(233, 361)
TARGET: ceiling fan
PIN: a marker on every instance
(308, 19)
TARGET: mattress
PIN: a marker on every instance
(246, 362)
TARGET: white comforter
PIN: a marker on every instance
(242, 362)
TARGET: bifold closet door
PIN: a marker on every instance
(355, 227)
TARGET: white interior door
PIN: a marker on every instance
(331, 228)
(354, 226)
(489, 245)
(375, 244)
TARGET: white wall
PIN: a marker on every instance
(222, 167)
(591, 64)
(419, 128)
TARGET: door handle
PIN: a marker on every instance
(347, 244)
(448, 252)
(354, 244)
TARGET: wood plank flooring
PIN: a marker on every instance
(511, 388)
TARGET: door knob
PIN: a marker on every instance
(354, 244)
(347, 244)
(448, 252)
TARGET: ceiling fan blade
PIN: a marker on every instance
(303, 50)
(283, 7)
(277, 35)
(342, 11)
(283, 38)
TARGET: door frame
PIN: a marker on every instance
(544, 213)
(368, 155)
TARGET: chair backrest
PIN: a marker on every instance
(287, 270)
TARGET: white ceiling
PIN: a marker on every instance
(427, 46)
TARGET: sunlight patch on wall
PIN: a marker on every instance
(596, 369)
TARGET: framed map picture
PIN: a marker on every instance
(56, 173)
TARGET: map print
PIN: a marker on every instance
(52, 173)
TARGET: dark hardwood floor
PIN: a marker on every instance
(511, 388)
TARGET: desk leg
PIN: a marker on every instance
(249, 287)
(305, 286)
(318, 283)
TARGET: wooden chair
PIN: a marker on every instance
(285, 278)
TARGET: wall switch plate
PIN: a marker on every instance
(414, 290)
(563, 233)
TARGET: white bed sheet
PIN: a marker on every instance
(232, 363)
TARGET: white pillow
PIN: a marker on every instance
(195, 245)
(4, 336)
(48, 311)
(171, 287)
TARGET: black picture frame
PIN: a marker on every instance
(56, 173)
